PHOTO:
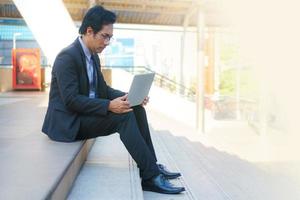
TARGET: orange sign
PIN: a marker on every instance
(26, 69)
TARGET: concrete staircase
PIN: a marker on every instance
(32, 166)
(108, 173)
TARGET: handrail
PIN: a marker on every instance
(161, 80)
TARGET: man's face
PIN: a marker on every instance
(98, 41)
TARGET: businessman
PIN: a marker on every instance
(83, 106)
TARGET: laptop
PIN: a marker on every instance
(140, 88)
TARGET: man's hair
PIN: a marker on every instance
(95, 18)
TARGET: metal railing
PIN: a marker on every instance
(162, 81)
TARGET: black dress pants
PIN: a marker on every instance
(134, 133)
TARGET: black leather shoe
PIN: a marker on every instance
(161, 185)
(169, 175)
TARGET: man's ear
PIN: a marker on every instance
(89, 31)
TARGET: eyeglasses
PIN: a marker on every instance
(106, 37)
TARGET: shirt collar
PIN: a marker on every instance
(85, 49)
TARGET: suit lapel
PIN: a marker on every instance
(98, 76)
(101, 85)
(83, 66)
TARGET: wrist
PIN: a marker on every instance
(109, 106)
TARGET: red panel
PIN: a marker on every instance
(26, 69)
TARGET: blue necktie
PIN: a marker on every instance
(93, 84)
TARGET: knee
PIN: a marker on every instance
(139, 108)
(128, 115)
(124, 118)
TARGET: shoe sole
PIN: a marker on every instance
(171, 177)
(161, 191)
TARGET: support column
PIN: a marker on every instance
(193, 9)
(200, 125)
(181, 71)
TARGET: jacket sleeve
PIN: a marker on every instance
(113, 93)
(65, 71)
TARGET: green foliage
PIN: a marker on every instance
(227, 82)
(230, 59)
(248, 85)
(228, 54)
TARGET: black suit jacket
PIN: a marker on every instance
(69, 94)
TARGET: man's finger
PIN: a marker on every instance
(126, 103)
(127, 110)
(146, 100)
(124, 97)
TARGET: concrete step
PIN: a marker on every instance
(108, 173)
(32, 166)
(198, 180)
(165, 157)
(212, 174)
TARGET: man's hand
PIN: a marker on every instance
(120, 105)
(145, 102)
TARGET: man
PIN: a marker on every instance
(82, 106)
